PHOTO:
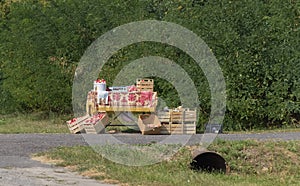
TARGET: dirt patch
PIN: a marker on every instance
(46, 160)
(93, 173)
(275, 159)
(111, 181)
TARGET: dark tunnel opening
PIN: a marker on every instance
(209, 161)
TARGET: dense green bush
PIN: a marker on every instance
(256, 43)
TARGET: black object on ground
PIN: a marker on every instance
(208, 161)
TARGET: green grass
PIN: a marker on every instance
(52, 123)
(271, 130)
(251, 163)
(32, 123)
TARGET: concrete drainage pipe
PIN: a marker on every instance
(209, 161)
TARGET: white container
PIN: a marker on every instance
(99, 86)
(102, 95)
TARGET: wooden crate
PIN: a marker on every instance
(94, 129)
(76, 129)
(171, 128)
(144, 85)
(149, 124)
(183, 115)
(98, 127)
(170, 116)
(189, 116)
(178, 121)
(176, 116)
(164, 117)
(178, 128)
(77, 126)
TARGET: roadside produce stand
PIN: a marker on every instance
(140, 98)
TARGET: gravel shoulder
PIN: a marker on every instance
(17, 168)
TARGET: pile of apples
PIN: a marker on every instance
(95, 118)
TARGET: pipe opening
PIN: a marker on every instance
(209, 161)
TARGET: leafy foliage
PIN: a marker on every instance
(256, 44)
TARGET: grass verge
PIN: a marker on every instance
(32, 123)
(251, 162)
(44, 122)
(271, 130)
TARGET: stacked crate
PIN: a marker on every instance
(178, 121)
(144, 85)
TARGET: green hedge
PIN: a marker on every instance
(256, 43)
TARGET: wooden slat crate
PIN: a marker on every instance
(145, 84)
(176, 117)
(149, 124)
(178, 128)
(76, 129)
(179, 121)
(94, 129)
(77, 125)
(89, 128)
(164, 117)
(189, 115)
(98, 127)
(171, 128)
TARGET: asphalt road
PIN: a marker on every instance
(16, 149)
(17, 167)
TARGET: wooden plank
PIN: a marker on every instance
(164, 117)
(189, 128)
(90, 130)
(163, 114)
(142, 88)
(189, 124)
(176, 125)
(76, 129)
(189, 120)
(189, 116)
(144, 81)
(145, 85)
(174, 128)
